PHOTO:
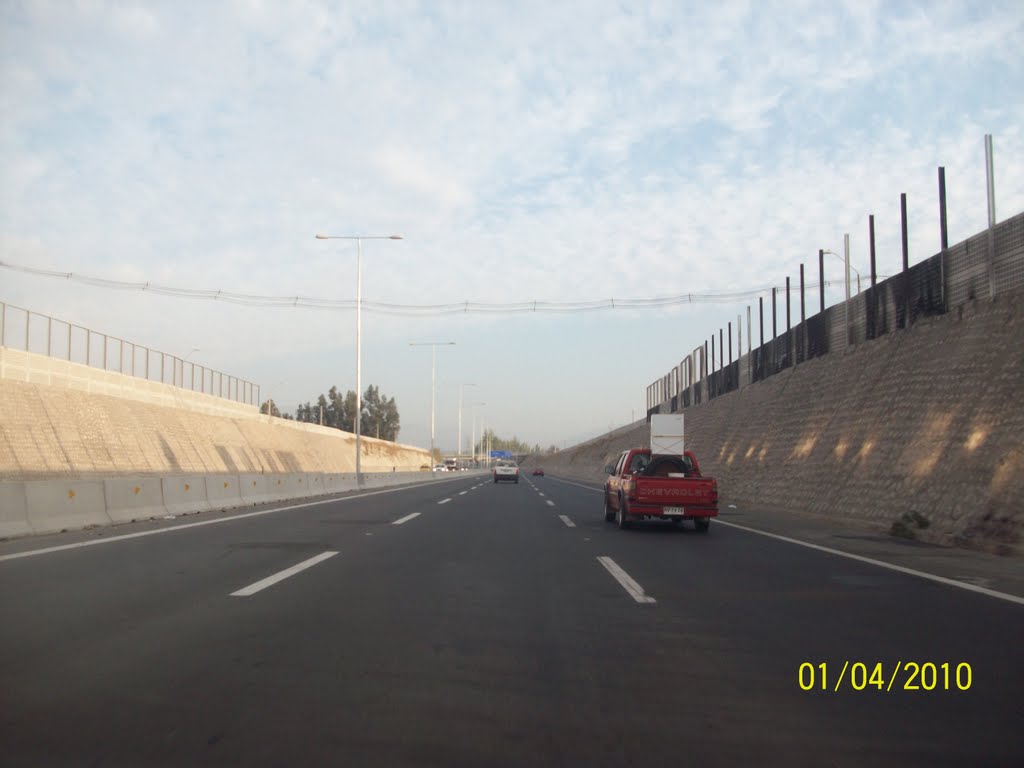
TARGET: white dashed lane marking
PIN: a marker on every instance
(405, 519)
(262, 584)
(627, 582)
(568, 523)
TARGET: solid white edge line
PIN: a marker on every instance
(625, 580)
(444, 501)
(882, 564)
(405, 519)
(262, 584)
(184, 526)
(568, 523)
(549, 502)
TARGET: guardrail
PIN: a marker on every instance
(36, 332)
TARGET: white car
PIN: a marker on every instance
(440, 468)
(506, 470)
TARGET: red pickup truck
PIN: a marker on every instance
(661, 487)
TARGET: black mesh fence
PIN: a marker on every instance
(985, 264)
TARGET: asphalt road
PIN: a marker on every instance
(489, 630)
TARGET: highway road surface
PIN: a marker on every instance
(462, 623)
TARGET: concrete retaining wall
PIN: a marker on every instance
(52, 429)
(922, 424)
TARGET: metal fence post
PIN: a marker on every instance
(3, 319)
(803, 319)
(821, 279)
(760, 308)
(775, 312)
(871, 237)
(88, 346)
(28, 323)
(49, 336)
(906, 261)
(990, 184)
(846, 304)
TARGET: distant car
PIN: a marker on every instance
(506, 470)
(440, 468)
(538, 472)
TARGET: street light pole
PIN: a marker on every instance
(464, 384)
(472, 408)
(847, 264)
(433, 381)
(359, 334)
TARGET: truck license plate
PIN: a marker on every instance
(673, 511)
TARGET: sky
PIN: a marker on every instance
(525, 151)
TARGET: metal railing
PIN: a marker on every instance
(35, 332)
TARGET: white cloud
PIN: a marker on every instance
(527, 151)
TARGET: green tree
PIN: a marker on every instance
(272, 406)
(380, 415)
(490, 440)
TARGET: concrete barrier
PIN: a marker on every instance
(13, 510)
(47, 506)
(340, 483)
(315, 484)
(222, 491)
(253, 489)
(134, 498)
(56, 505)
(184, 494)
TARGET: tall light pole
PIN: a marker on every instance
(472, 437)
(359, 333)
(464, 384)
(846, 261)
(433, 380)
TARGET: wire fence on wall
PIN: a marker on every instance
(35, 332)
(983, 266)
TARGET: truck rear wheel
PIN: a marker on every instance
(621, 518)
(702, 524)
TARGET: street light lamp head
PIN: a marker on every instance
(322, 237)
(395, 237)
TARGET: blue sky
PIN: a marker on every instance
(549, 151)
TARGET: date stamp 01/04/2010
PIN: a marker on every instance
(878, 676)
